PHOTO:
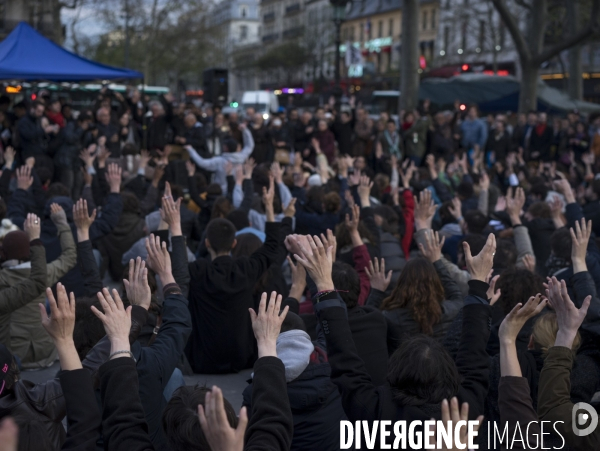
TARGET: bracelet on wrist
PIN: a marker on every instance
(122, 352)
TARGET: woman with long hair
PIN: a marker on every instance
(426, 298)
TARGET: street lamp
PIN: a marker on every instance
(339, 16)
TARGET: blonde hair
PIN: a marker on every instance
(545, 329)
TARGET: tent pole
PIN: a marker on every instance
(144, 126)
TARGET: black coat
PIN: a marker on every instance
(220, 295)
(31, 136)
(316, 409)
(196, 138)
(542, 143)
(362, 400)
(501, 145)
(343, 135)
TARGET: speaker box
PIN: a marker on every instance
(216, 88)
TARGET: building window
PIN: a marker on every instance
(391, 27)
(380, 29)
(481, 34)
(243, 32)
(243, 10)
(433, 19)
(424, 20)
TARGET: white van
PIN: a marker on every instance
(264, 102)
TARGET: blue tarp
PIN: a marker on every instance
(27, 55)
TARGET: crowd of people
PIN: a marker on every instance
(435, 264)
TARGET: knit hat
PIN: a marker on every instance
(6, 359)
(294, 349)
(15, 246)
(7, 226)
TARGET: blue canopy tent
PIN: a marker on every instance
(28, 56)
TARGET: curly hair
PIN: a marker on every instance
(517, 285)
(419, 289)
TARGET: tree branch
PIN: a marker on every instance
(571, 41)
(513, 28)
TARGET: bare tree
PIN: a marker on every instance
(530, 44)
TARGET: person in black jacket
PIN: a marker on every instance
(315, 401)
(31, 133)
(420, 374)
(193, 134)
(221, 291)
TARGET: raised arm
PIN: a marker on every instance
(25, 291)
(85, 255)
(83, 416)
(68, 257)
(554, 391)
(111, 212)
(209, 164)
(171, 214)
(432, 251)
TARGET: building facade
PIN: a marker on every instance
(472, 36)
(235, 26)
(374, 27)
(43, 15)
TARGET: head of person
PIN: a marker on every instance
(542, 118)
(103, 116)
(419, 289)
(421, 372)
(233, 118)
(475, 221)
(190, 120)
(538, 210)
(89, 330)
(332, 202)
(360, 163)
(306, 117)
(344, 275)
(247, 244)
(231, 145)
(54, 106)
(345, 117)
(276, 123)
(15, 246)
(517, 285)
(473, 112)
(220, 236)
(391, 126)
(560, 243)
(532, 117)
(221, 208)
(323, 125)
(522, 119)
(250, 111)
(180, 419)
(465, 190)
(499, 126)
(37, 108)
(157, 108)
(580, 128)
(544, 333)
(258, 119)
(294, 114)
(409, 117)
(124, 119)
(506, 254)
(239, 219)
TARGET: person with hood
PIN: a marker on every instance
(414, 133)
(316, 404)
(27, 337)
(233, 153)
(103, 225)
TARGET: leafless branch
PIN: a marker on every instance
(513, 28)
(523, 4)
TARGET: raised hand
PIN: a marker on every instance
(171, 211)
(529, 262)
(290, 210)
(424, 210)
(318, 261)
(518, 316)
(514, 204)
(452, 416)
(455, 208)
(353, 222)
(564, 187)
(58, 215)
(568, 316)
(277, 172)
(190, 166)
(432, 250)
(249, 166)
(266, 324)
(9, 157)
(364, 191)
(61, 322)
(580, 238)
(484, 181)
(144, 158)
(330, 241)
(268, 197)
(24, 177)
(82, 219)
(136, 287)
(113, 177)
(32, 226)
(376, 272)
(492, 294)
(159, 259)
(116, 320)
(298, 279)
(88, 155)
(217, 430)
(480, 266)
